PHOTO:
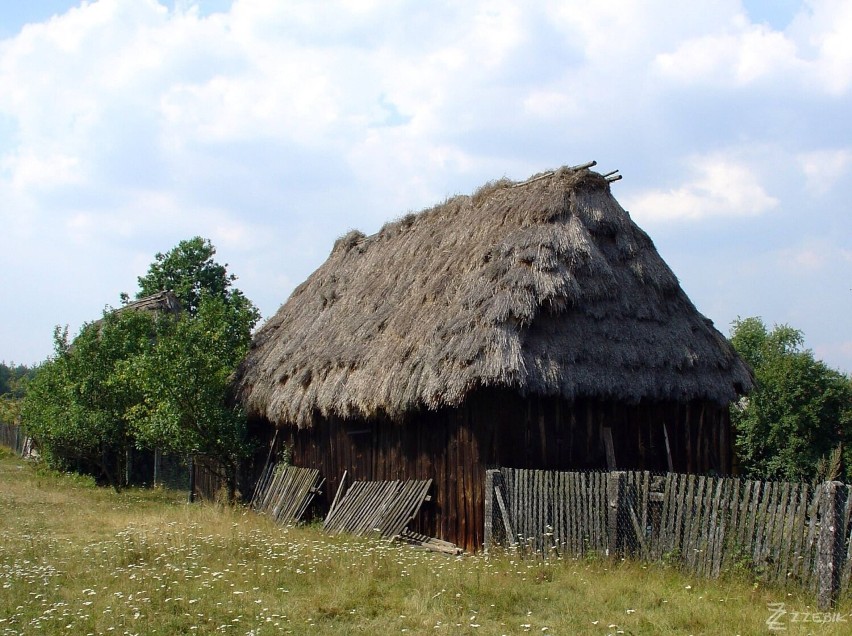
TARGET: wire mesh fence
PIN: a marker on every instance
(779, 532)
(138, 467)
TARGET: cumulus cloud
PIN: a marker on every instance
(717, 186)
(823, 168)
(273, 127)
(745, 54)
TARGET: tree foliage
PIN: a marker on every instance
(13, 386)
(185, 378)
(13, 379)
(799, 411)
(190, 272)
(78, 406)
(150, 381)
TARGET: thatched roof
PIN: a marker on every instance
(164, 302)
(545, 287)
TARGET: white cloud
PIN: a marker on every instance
(41, 172)
(273, 127)
(814, 255)
(718, 187)
(813, 53)
(824, 33)
(823, 168)
(748, 54)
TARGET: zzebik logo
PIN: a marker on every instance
(780, 616)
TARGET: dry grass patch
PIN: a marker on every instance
(76, 559)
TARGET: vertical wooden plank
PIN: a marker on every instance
(585, 505)
(556, 509)
(799, 531)
(717, 488)
(616, 487)
(846, 573)
(724, 510)
(516, 504)
(773, 548)
(538, 508)
(602, 510)
(705, 534)
(749, 540)
(606, 431)
(487, 535)
(551, 483)
(563, 505)
(571, 513)
(690, 513)
(787, 536)
(645, 497)
(742, 520)
(526, 504)
(700, 523)
(808, 549)
(735, 502)
(668, 448)
(760, 524)
(570, 518)
(687, 485)
(581, 529)
(598, 519)
(660, 536)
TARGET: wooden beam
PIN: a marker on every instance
(610, 448)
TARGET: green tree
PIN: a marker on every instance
(78, 407)
(190, 272)
(799, 411)
(13, 385)
(136, 378)
(185, 378)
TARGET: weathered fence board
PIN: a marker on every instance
(383, 507)
(285, 492)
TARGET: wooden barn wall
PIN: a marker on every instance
(455, 446)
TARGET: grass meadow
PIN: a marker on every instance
(78, 559)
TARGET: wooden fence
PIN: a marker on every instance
(781, 532)
(285, 492)
(13, 436)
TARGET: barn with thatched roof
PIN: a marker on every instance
(531, 325)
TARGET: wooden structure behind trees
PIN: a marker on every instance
(530, 325)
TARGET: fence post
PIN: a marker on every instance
(488, 535)
(616, 490)
(191, 496)
(830, 550)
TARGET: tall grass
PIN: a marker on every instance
(76, 559)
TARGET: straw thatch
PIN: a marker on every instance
(163, 303)
(545, 287)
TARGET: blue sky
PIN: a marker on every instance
(273, 128)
